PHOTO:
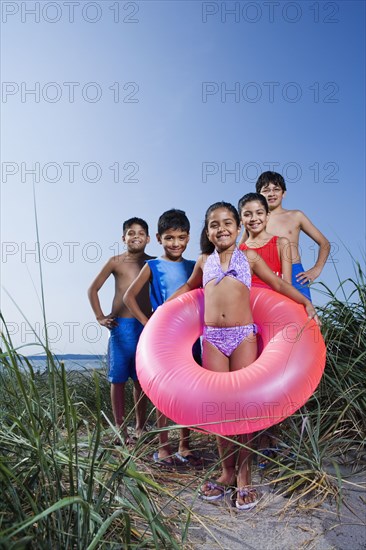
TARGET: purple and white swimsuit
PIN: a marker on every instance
(227, 339)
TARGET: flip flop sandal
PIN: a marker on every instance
(247, 492)
(192, 459)
(165, 463)
(213, 486)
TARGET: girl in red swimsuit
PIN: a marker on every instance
(275, 251)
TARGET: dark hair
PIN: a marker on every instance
(249, 197)
(173, 219)
(206, 246)
(128, 223)
(270, 177)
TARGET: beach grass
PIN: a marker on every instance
(64, 484)
(328, 435)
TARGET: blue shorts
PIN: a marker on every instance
(304, 289)
(122, 345)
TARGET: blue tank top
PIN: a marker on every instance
(167, 277)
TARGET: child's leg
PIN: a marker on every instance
(121, 360)
(118, 403)
(213, 359)
(243, 356)
(244, 462)
(184, 448)
(140, 401)
(164, 451)
(246, 494)
(227, 453)
(245, 353)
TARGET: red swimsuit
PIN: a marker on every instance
(269, 253)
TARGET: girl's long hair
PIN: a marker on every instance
(206, 246)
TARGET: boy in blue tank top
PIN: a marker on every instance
(166, 275)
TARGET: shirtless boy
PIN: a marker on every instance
(289, 223)
(124, 328)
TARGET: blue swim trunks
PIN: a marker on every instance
(122, 345)
(304, 289)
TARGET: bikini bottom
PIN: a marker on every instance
(227, 339)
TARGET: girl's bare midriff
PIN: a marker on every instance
(227, 304)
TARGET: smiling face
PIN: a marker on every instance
(222, 229)
(254, 217)
(274, 195)
(174, 242)
(135, 238)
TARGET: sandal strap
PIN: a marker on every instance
(212, 485)
(215, 486)
(247, 491)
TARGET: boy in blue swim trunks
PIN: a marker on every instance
(124, 329)
(289, 223)
(166, 275)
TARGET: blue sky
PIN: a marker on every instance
(138, 107)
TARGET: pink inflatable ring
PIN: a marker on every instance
(277, 384)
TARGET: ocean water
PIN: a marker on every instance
(79, 364)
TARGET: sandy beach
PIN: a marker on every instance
(278, 522)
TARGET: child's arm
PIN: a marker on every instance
(261, 269)
(286, 259)
(195, 280)
(129, 298)
(324, 248)
(104, 320)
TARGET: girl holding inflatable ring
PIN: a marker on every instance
(229, 337)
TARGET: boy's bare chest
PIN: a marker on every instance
(128, 270)
(283, 226)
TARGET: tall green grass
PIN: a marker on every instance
(65, 486)
(344, 330)
(329, 433)
(61, 485)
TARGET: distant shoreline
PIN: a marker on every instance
(68, 357)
